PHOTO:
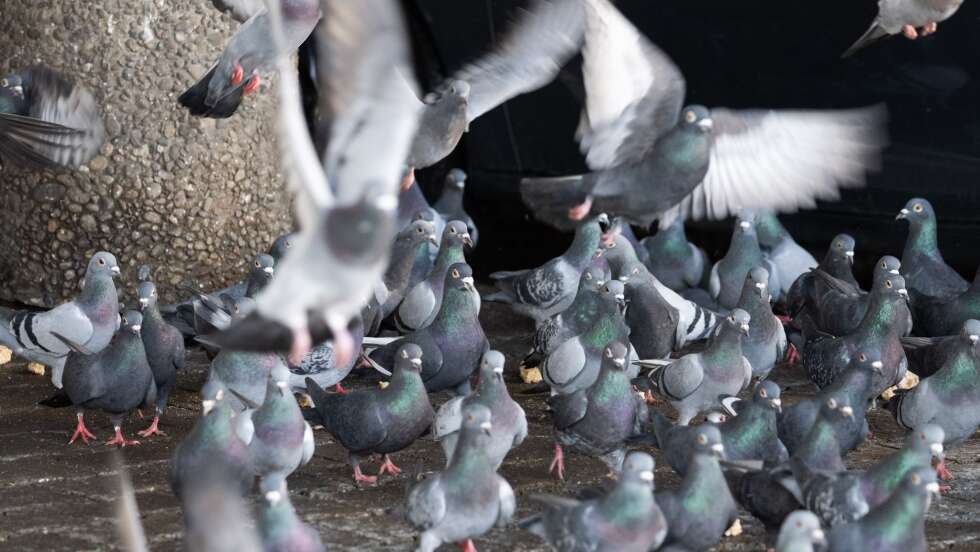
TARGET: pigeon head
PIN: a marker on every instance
(768, 228)
(360, 234)
(869, 360)
(843, 247)
(836, 409)
(132, 321)
(456, 178)
(739, 319)
(456, 233)
(147, 295)
(916, 211)
(460, 276)
(603, 221)
(460, 89)
(697, 117)
(614, 356)
(425, 215)
(767, 393)
(492, 366)
(928, 437)
(896, 285)
(921, 481)
(887, 266)
(971, 331)
(638, 468)
(476, 418)
(263, 268)
(419, 231)
(281, 246)
(613, 291)
(708, 441)
(409, 358)
(757, 281)
(801, 526)
(630, 271)
(211, 395)
(592, 278)
(103, 263)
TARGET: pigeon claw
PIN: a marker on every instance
(152, 430)
(81, 431)
(581, 210)
(408, 179)
(942, 472)
(120, 440)
(910, 32)
(237, 74)
(388, 466)
(359, 477)
(252, 85)
(929, 28)
(558, 464)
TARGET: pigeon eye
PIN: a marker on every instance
(916, 479)
(731, 318)
(762, 393)
(588, 276)
(257, 265)
(690, 117)
(4, 83)
(917, 207)
(289, 244)
(102, 262)
(702, 439)
(153, 293)
(832, 403)
(418, 230)
(863, 358)
(404, 354)
(455, 273)
(452, 230)
(888, 284)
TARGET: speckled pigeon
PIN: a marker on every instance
(422, 302)
(765, 345)
(468, 498)
(779, 248)
(212, 447)
(281, 529)
(801, 532)
(164, 348)
(676, 262)
(509, 421)
(728, 274)
(320, 364)
(925, 271)
(835, 496)
(906, 17)
(244, 372)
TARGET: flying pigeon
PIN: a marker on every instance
(320, 364)
(906, 17)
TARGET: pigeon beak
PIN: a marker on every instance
(269, 270)
(144, 301)
(137, 328)
(850, 256)
(468, 283)
(486, 427)
(974, 338)
(706, 124)
(761, 286)
(933, 488)
(620, 362)
(433, 240)
(847, 411)
(893, 271)
(937, 449)
(646, 475)
(744, 225)
(467, 240)
(817, 536)
(744, 328)
(904, 213)
(877, 365)
(207, 405)
(499, 370)
(718, 449)
(778, 404)
(115, 271)
(417, 362)
(904, 293)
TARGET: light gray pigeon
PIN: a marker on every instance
(780, 249)
(626, 518)
(244, 372)
(450, 202)
(468, 498)
(765, 345)
(697, 381)
(422, 302)
(164, 351)
(549, 289)
(509, 421)
(906, 17)
(280, 527)
(89, 321)
(651, 158)
(728, 274)
(676, 262)
(800, 532)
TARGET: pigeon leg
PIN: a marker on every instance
(359, 476)
(467, 546)
(910, 32)
(81, 430)
(340, 389)
(929, 28)
(153, 429)
(252, 85)
(942, 472)
(792, 354)
(362, 362)
(580, 211)
(388, 466)
(343, 344)
(558, 464)
(302, 342)
(408, 179)
(237, 74)
(786, 320)
(119, 439)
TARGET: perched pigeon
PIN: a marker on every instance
(244, 372)
(320, 364)
(626, 518)
(509, 421)
(752, 434)
(450, 202)
(250, 52)
(378, 421)
(117, 380)
(906, 17)
(573, 321)
(281, 529)
(702, 508)
(840, 308)
(549, 289)
(89, 321)
(599, 419)
(468, 498)
(922, 447)
(765, 344)
(925, 271)
(728, 274)
(837, 262)
(697, 381)
(801, 532)
(676, 262)
(452, 345)
(678, 441)
(653, 159)
(47, 121)
(164, 348)
(779, 248)
(944, 317)
(422, 302)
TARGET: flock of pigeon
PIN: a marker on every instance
(377, 277)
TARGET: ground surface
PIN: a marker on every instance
(58, 497)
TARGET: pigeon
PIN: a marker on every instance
(441, 125)
(765, 344)
(453, 343)
(854, 386)
(897, 524)
(676, 262)
(280, 246)
(468, 498)
(345, 207)
(599, 419)
(48, 121)
(618, 251)
(837, 262)
(825, 357)
(841, 308)
(922, 446)
(727, 276)
(801, 532)
(90, 320)
(652, 159)
(573, 321)
(835, 496)
(677, 441)
(509, 421)
(549, 289)
(164, 348)
(626, 518)
(701, 509)
(250, 52)
(906, 17)
(117, 380)
(281, 529)
(574, 364)
(410, 250)
(412, 206)
(321, 366)
(779, 248)
(925, 271)
(216, 518)
(752, 434)
(422, 302)
(937, 317)
(378, 421)
(928, 354)
(244, 372)
(697, 381)
(450, 202)
(279, 439)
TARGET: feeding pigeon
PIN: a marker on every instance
(728, 274)
(378, 421)
(320, 364)
(599, 419)
(244, 372)
(164, 348)
(47, 121)
(697, 381)
(90, 320)
(468, 498)
(281, 529)
(346, 206)
(906, 17)
(752, 434)
(452, 344)
(422, 302)
(549, 289)
(251, 52)
(765, 344)
(676, 262)
(652, 159)
(937, 317)
(925, 271)
(807, 289)
(450, 202)
(800, 532)
(626, 518)
(509, 421)
(117, 379)
(780, 249)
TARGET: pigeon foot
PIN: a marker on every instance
(929, 28)
(153, 429)
(340, 389)
(942, 472)
(81, 431)
(359, 477)
(792, 354)
(467, 546)
(120, 440)
(302, 342)
(388, 466)
(558, 464)
(251, 86)
(910, 32)
(408, 179)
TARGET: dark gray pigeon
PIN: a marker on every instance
(728, 274)
(600, 419)
(676, 262)
(753, 434)
(626, 518)
(835, 496)
(937, 317)
(410, 250)
(801, 532)
(651, 158)
(280, 246)
(765, 345)
(922, 447)
(779, 248)
(468, 498)
(450, 202)
(806, 291)
(47, 121)
(678, 441)
(509, 421)
(441, 126)
(841, 307)
(320, 364)
(117, 380)
(821, 450)
(90, 320)
(281, 529)
(378, 421)
(925, 271)
(244, 372)
(422, 302)
(906, 17)
(549, 289)
(928, 354)
(164, 351)
(573, 321)
(212, 447)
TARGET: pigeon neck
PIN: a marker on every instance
(451, 200)
(744, 246)
(421, 266)
(854, 384)
(922, 240)
(217, 426)
(820, 450)
(726, 345)
(458, 309)
(960, 371)
(703, 482)
(888, 474)
(627, 503)
(754, 304)
(770, 232)
(838, 267)
(402, 263)
(608, 326)
(470, 459)
(151, 316)
(672, 242)
(255, 284)
(277, 519)
(586, 241)
(903, 514)
(98, 289)
(753, 425)
(880, 318)
(611, 386)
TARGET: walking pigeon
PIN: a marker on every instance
(164, 348)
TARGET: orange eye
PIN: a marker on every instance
(863, 358)
(690, 117)
(702, 439)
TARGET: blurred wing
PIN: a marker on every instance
(240, 10)
(529, 57)
(634, 92)
(128, 524)
(784, 160)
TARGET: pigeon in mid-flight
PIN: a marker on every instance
(651, 158)
(906, 17)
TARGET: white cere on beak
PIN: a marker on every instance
(903, 292)
(646, 475)
(706, 124)
(936, 448)
(745, 224)
(486, 426)
(620, 297)
(974, 338)
(847, 411)
(416, 362)
(144, 301)
(498, 369)
(817, 535)
(273, 497)
(745, 328)
(933, 487)
(718, 447)
(904, 212)
(849, 253)
(468, 280)
(207, 405)
(281, 384)
(877, 364)
(893, 271)
(777, 402)
(619, 362)
(269, 270)
(387, 202)
(137, 328)
(115, 270)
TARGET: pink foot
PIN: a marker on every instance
(579, 211)
(237, 74)
(119, 440)
(362, 361)
(388, 466)
(302, 342)
(943, 489)
(942, 472)
(786, 320)
(792, 354)
(408, 179)
(340, 389)
(929, 28)
(649, 398)
(910, 32)
(251, 86)
(152, 430)
(81, 431)
(359, 477)
(343, 345)
(467, 546)
(558, 463)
